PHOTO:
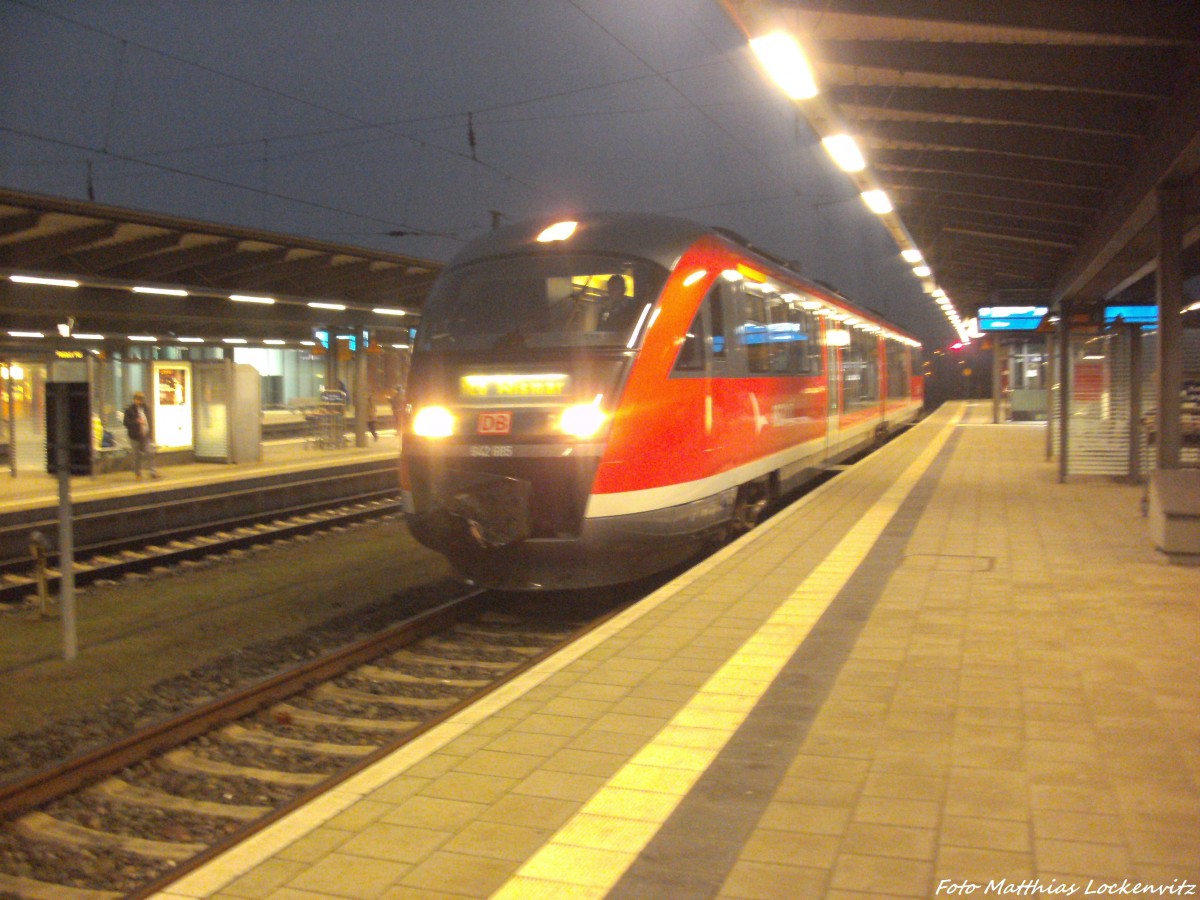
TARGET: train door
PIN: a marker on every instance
(833, 392)
(695, 410)
(703, 357)
(717, 404)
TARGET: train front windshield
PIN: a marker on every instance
(548, 302)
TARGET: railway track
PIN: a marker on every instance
(125, 820)
(113, 558)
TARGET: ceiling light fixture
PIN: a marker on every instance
(787, 63)
(52, 282)
(844, 150)
(166, 292)
(877, 202)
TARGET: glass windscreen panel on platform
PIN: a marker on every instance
(542, 302)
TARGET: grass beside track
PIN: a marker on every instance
(144, 629)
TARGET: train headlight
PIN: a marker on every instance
(583, 420)
(433, 422)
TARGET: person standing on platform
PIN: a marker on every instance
(372, 423)
(137, 424)
(397, 401)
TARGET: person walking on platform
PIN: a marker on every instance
(137, 424)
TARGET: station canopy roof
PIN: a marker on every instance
(109, 251)
(1021, 142)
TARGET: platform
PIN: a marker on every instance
(940, 669)
(30, 489)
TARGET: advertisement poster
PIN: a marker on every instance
(172, 411)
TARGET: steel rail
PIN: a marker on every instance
(87, 569)
(56, 781)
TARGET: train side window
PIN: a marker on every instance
(780, 334)
(691, 352)
(804, 354)
(897, 370)
(754, 331)
(715, 301)
(812, 347)
(705, 335)
(860, 370)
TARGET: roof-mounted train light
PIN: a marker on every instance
(559, 231)
(433, 422)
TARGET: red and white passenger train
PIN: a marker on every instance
(593, 401)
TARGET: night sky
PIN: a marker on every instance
(349, 120)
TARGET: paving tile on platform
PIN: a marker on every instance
(344, 875)
(398, 843)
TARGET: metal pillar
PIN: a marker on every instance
(331, 362)
(1171, 210)
(66, 525)
(998, 360)
(361, 394)
(1133, 334)
(1064, 386)
(1051, 359)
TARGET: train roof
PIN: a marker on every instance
(661, 239)
(657, 238)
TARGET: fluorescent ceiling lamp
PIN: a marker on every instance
(384, 311)
(922, 271)
(274, 342)
(167, 292)
(786, 62)
(26, 334)
(877, 202)
(317, 305)
(190, 340)
(88, 337)
(233, 340)
(52, 282)
(246, 298)
(308, 343)
(142, 337)
(845, 152)
(912, 256)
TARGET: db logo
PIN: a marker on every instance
(495, 423)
